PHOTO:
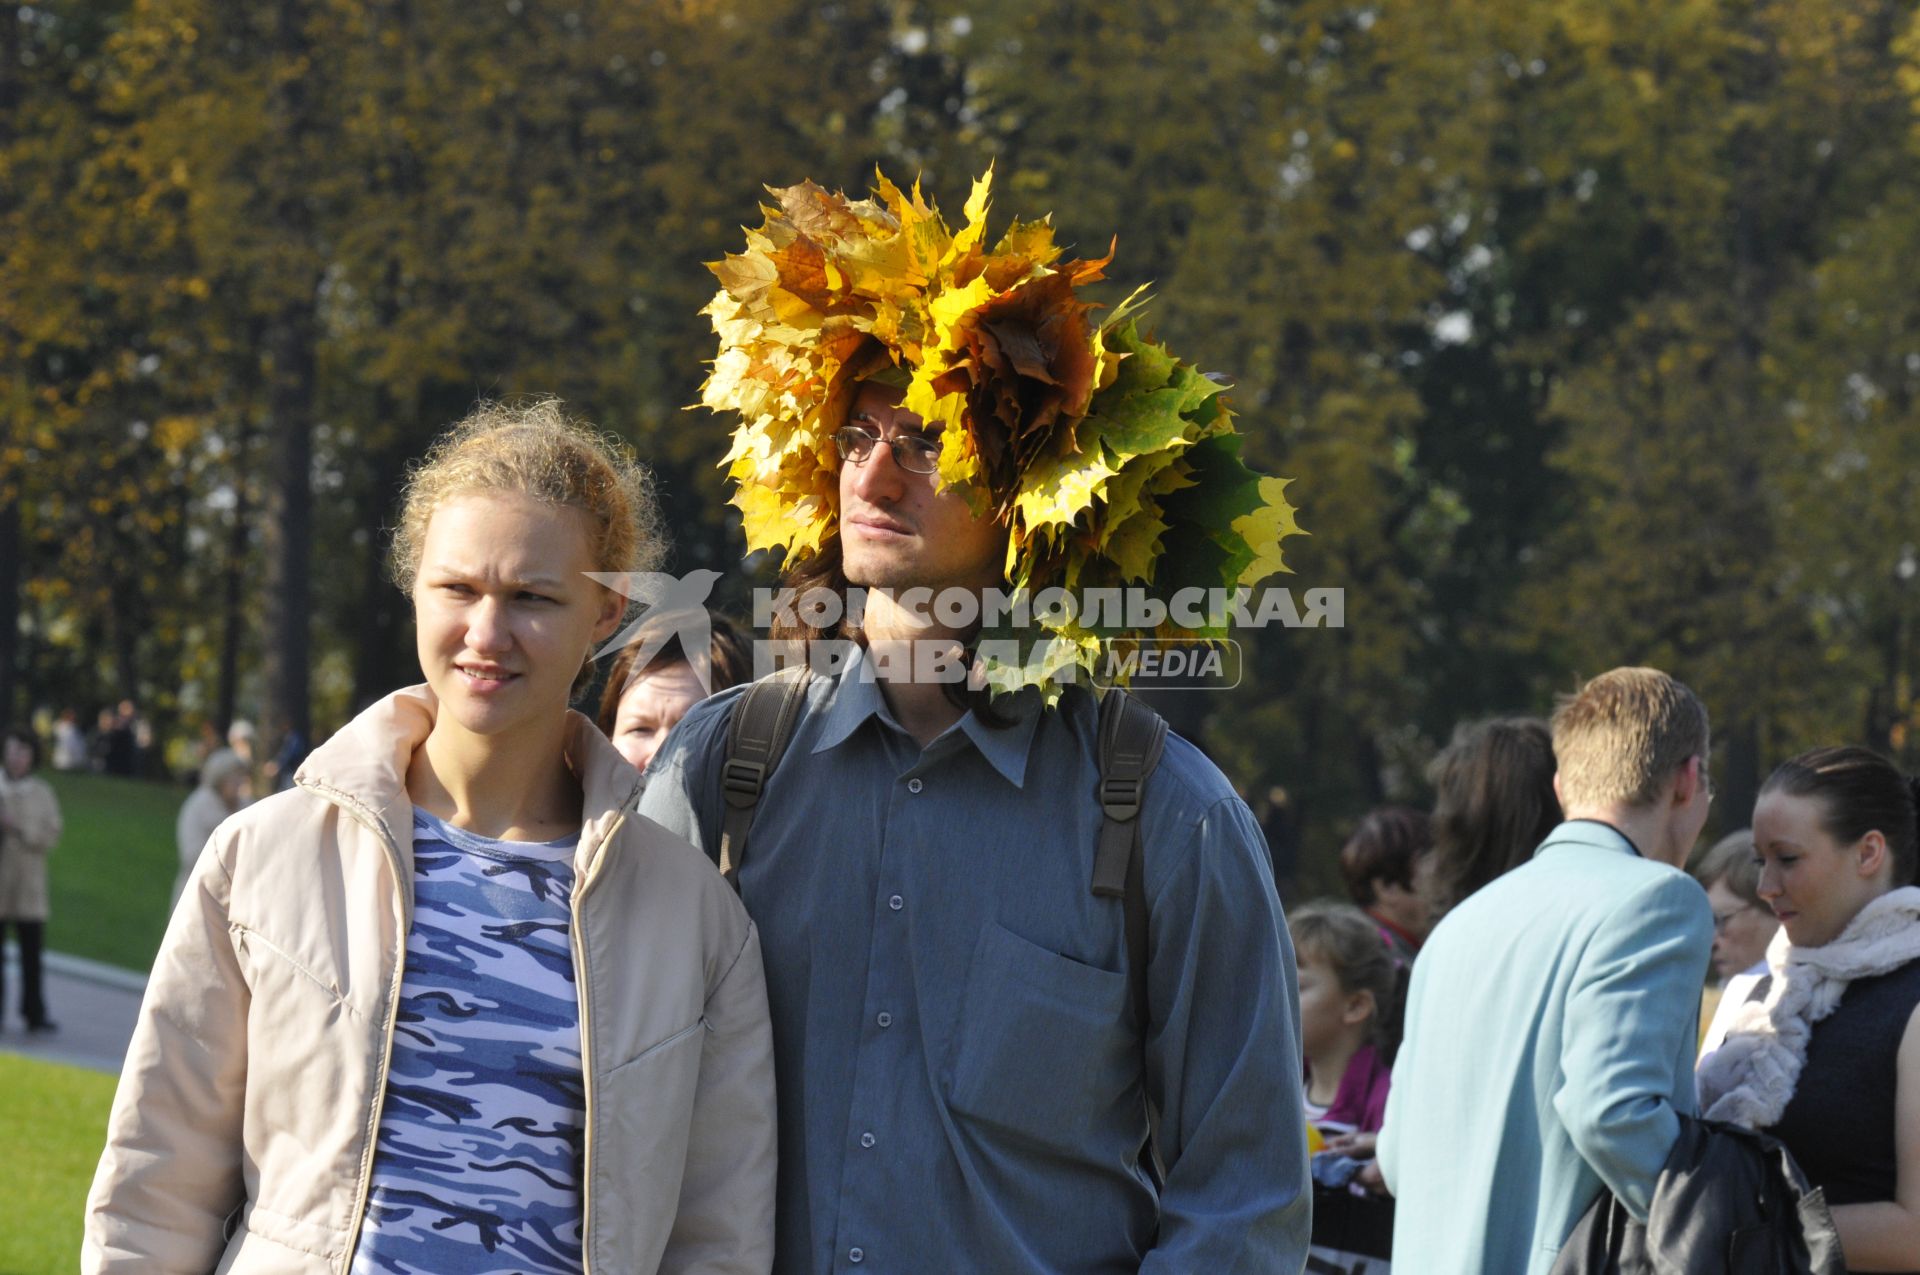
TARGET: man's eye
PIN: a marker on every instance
(527, 595)
(920, 445)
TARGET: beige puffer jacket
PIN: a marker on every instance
(242, 1134)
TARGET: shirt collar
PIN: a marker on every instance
(857, 697)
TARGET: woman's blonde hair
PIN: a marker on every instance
(535, 449)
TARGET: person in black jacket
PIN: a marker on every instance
(1828, 1060)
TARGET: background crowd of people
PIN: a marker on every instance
(1808, 1031)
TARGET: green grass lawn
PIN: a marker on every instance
(53, 1122)
(112, 873)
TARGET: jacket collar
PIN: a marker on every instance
(365, 763)
(1591, 833)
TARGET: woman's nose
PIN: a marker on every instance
(487, 626)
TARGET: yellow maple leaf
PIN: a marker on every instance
(1265, 528)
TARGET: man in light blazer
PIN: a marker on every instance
(1552, 1017)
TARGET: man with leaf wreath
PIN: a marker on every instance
(990, 976)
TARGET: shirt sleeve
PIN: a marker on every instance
(1631, 1015)
(1223, 1055)
(682, 792)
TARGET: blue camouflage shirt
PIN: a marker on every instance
(960, 1084)
(477, 1162)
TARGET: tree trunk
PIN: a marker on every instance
(10, 548)
(289, 654)
(232, 595)
(379, 663)
(1740, 774)
(290, 337)
(10, 545)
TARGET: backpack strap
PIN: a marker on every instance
(1132, 736)
(757, 736)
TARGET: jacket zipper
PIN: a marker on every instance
(405, 886)
(581, 981)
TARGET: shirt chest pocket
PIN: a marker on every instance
(1042, 1050)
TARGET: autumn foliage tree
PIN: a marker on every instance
(1581, 325)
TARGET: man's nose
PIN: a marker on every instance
(879, 479)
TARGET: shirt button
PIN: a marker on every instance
(866, 1140)
(884, 1019)
(896, 903)
(914, 785)
(856, 1255)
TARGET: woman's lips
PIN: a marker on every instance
(485, 681)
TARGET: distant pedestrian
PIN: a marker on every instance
(1550, 1028)
(1378, 863)
(1349, 1031)
(277, 775)
(639, 706)
(29, 829)
(69, 742)
(1493, 804)
(122, 741)
(240, 740)
(1828, 1059)
(1743, 925)
(222, 790)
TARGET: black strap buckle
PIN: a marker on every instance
(1120, 797)
(741, 781)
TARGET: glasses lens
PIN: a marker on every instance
(916, 454)
(854, 444)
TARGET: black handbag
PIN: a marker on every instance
(1729, 1201)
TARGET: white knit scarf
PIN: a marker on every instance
(1750, 1078)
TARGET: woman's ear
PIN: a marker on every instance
(1872, 852)
(613, 609)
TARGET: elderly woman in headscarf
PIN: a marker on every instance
(222, 790)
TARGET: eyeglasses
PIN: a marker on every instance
(915, 453)
(1721, 920)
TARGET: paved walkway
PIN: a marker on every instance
(95, 1005)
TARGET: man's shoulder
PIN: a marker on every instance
(1185, 782)
(1562, 899)
(1189, 783)
(702, 732)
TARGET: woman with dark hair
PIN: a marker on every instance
(640, 705)
(1378, 863)
(1827, 1058)
(29, 827)
(1493, 806)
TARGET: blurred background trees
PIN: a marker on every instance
(1584, 325)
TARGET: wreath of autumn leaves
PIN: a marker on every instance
(1110, 462)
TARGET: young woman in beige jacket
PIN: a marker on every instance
(448, 1004)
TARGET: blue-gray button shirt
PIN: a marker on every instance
(960, 1085)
